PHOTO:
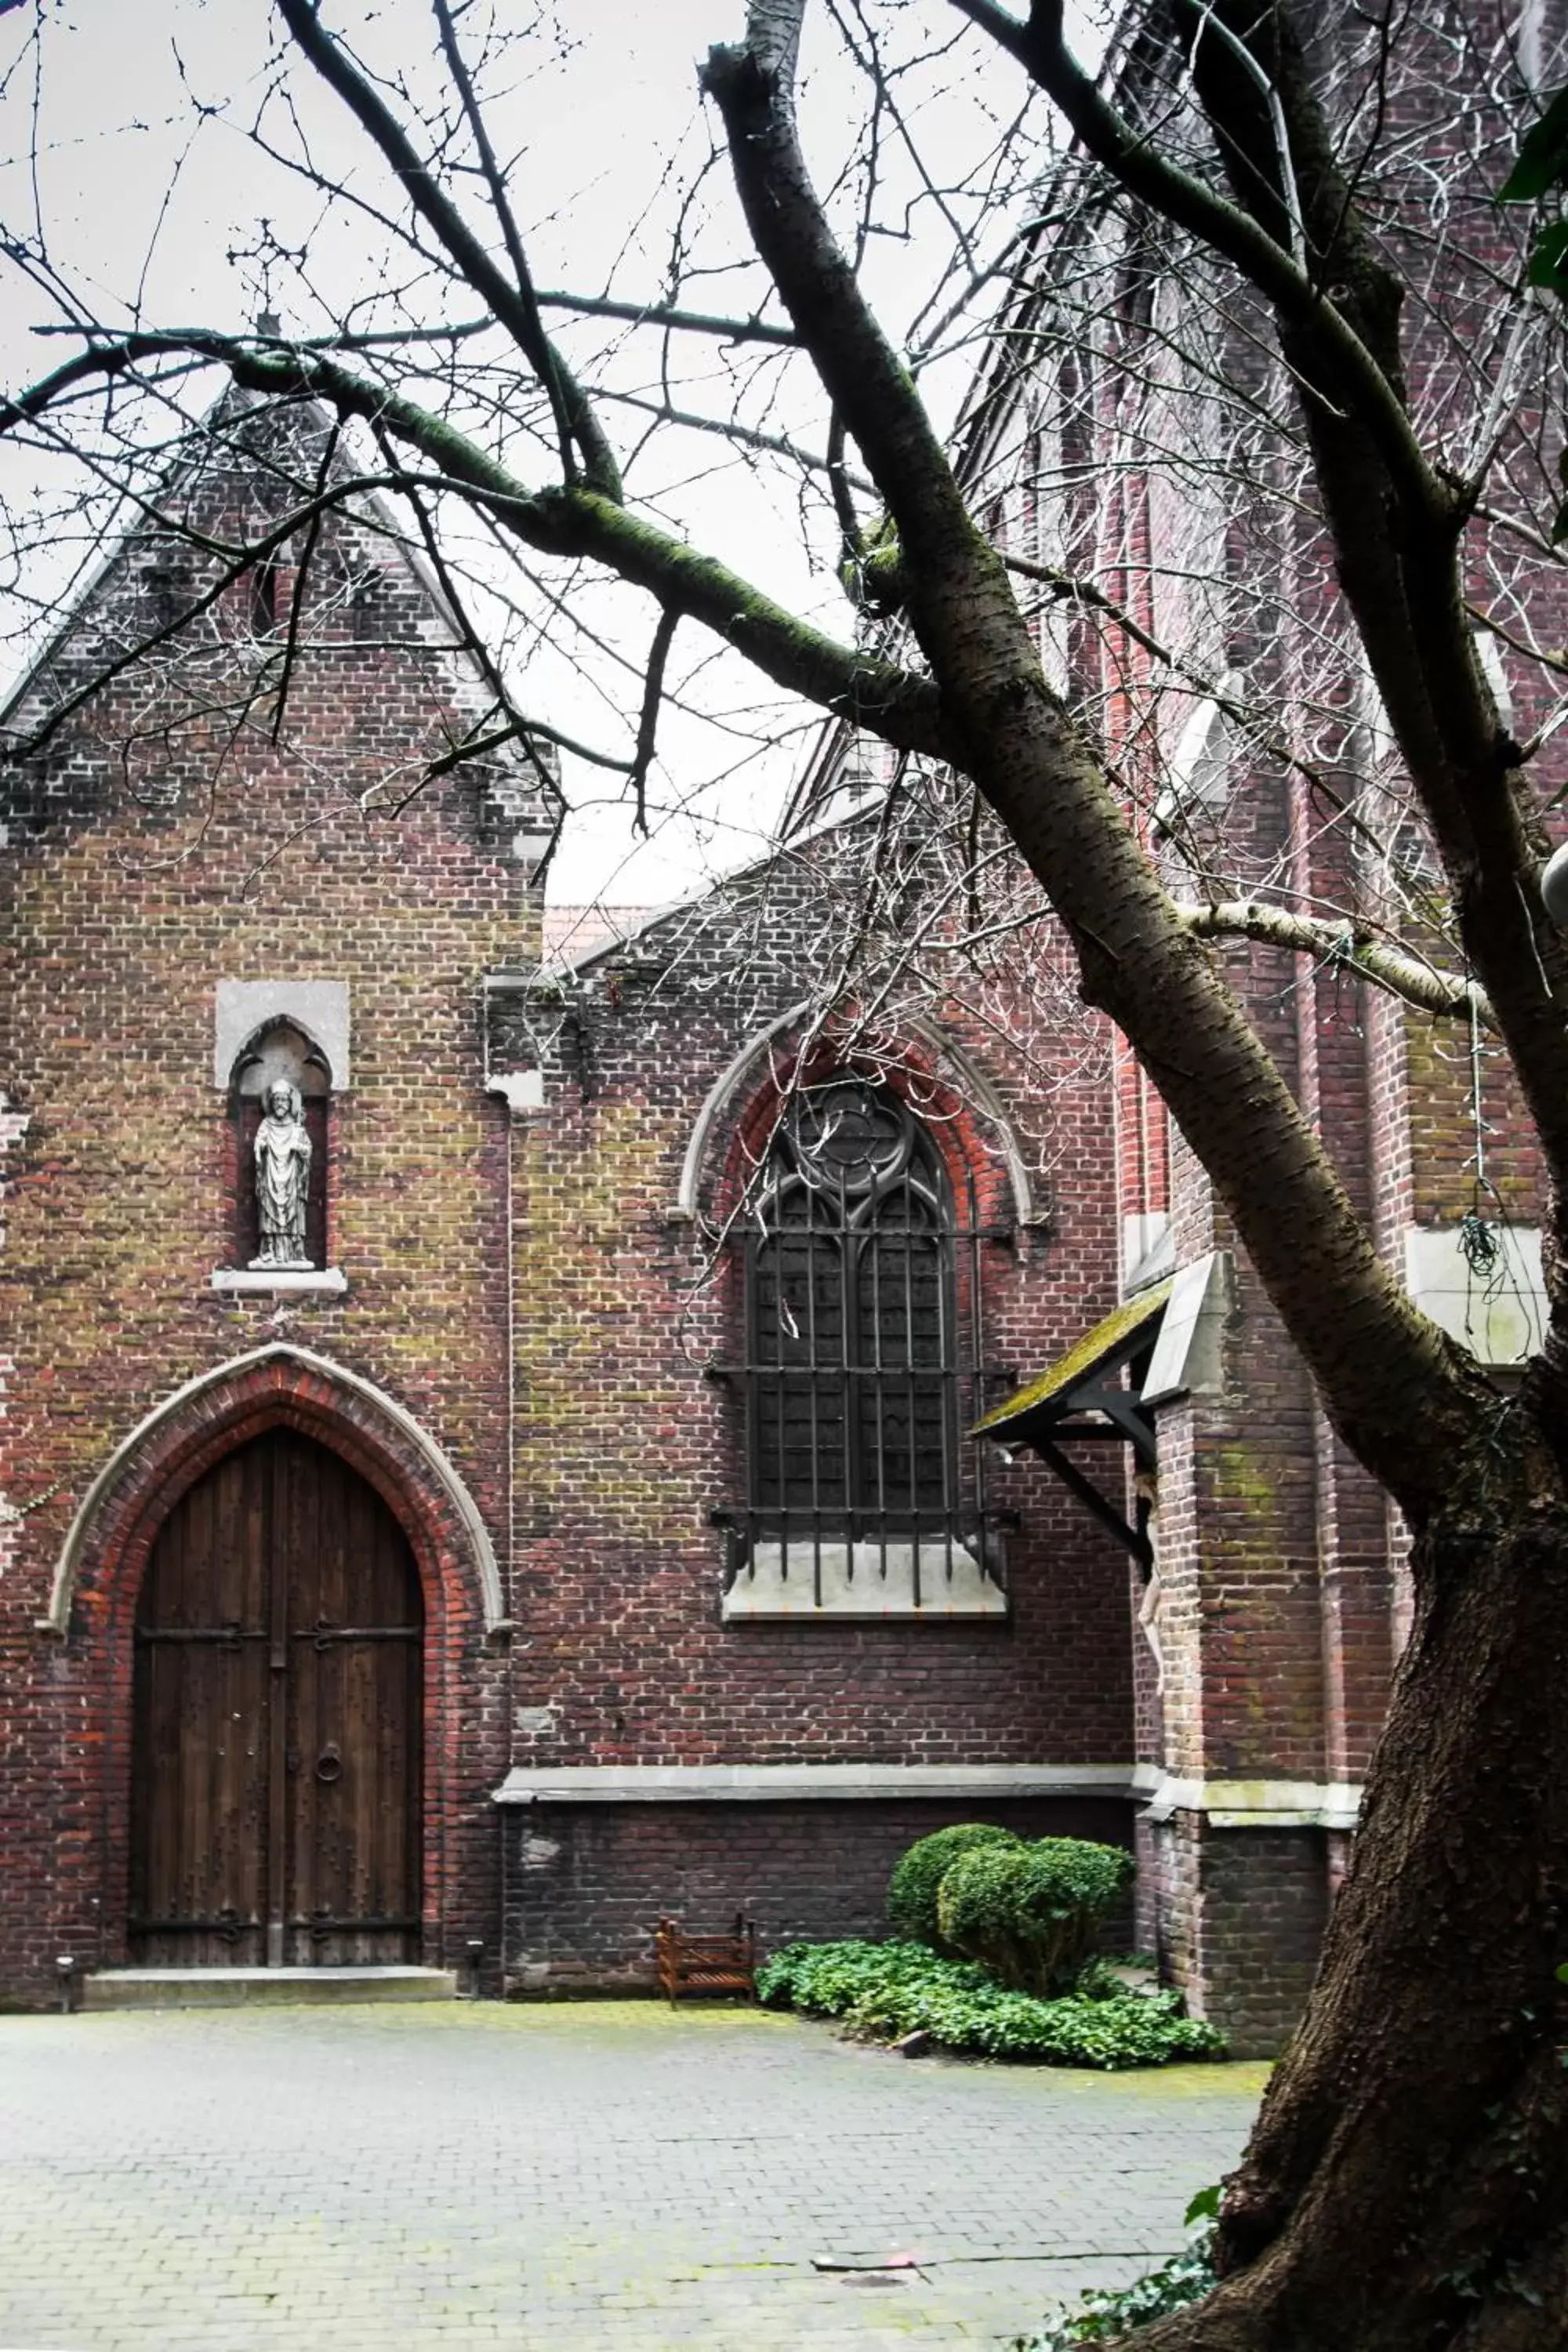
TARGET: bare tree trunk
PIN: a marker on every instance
(1408, 2184)
(1405, 2185)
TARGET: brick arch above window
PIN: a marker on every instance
(767, 1062)
(209, 1415)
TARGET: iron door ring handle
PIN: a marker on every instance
(329, 1765)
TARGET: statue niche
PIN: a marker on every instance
(280, 1092)
(282, 1153)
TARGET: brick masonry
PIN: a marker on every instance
(132, 887)
(585, 1884)
(517, 1286)
(1282, 1595)
(551, 1294)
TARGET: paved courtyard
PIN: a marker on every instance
(607, 2174)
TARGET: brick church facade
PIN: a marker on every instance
(586, 1520)
(475, 1581)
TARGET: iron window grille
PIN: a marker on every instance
(864, 1355)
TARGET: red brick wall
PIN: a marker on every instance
(585, 1884)
(227, 855)
(631, 1410)
(1265, 1901)
(130, 891)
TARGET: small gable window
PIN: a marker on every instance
(267, 602)
(343, 593)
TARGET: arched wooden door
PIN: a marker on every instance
(277, 1750)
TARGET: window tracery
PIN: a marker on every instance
(862, 1293)
(852, 1318)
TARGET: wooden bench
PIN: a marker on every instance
(707, 1964)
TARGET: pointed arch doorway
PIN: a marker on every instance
(277, 1754)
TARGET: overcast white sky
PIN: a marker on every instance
(128, 127)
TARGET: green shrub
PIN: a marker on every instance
(1030, 1912)
(913, 1888)
(1108, 2313)
(882, 1991)
(828, 1979)
(1098, 1980)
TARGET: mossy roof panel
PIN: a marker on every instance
(1107, 1342)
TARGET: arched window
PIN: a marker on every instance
(344, 588)
(853, 1358)
(268, 609)
(280, 1056)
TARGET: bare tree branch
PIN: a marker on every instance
(648, 722)
(663, 314)
(572, 521)
(512, 303)
(1176, 194)
(1349, 944)
(1139, 960)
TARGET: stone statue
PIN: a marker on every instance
(283, 1178)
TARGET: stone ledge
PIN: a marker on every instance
(246, 1282)
(1226, 1804)
(1251, 1804)
(773, 1608)
(665, 1784)
(245, 1988)
(865, 1583)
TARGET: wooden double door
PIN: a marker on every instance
(276, 1783)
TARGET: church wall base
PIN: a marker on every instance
(1236, 1917)
(586, 1885)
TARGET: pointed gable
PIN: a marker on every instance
(235, 606)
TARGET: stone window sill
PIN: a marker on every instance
(320, 1282)
(868, 1582)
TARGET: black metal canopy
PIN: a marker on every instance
(1084, 1395)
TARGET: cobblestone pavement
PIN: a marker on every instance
(605, 2175)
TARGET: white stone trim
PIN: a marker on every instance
(861, 1583)
(1502, 1316)
(243, 1008)
(973, 1085)
(441, 1469)
(1148, 1250)
(665, 1784)
(1189, 1351)
(522, 1091)
(325, 1281)
(1251, 1804)
(1227, 1804)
